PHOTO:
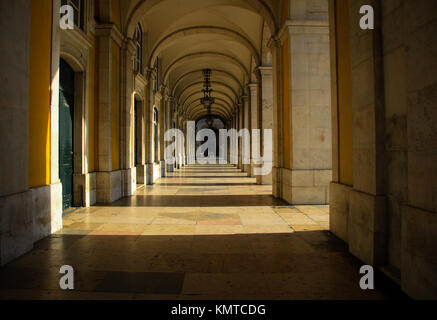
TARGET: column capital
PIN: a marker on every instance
(129, 46)
(265, 70)
(110, 30)
(253, 86)
(150, 74)
(274, 43)
(158, 96)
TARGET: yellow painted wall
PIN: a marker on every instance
(91, 108)
(116, 13)
(115, 106)
(39, 92)
(344, 79)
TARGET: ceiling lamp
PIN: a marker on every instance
(207, 99)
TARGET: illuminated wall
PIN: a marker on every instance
(39, 93)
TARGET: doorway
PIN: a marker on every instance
(66, 116)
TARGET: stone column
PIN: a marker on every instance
(266, 112)
(170, 108)
(141, 143)
(235, 127)
(184, 150)
(247, 126)
(104, 40)
(162, 125)
(278, 141)
(179, 143)
(108, 182)
(308, 174)
(240, 140)
(254, 122)
(127, 143)
(367, 208)
(16, 222)
(149, 128)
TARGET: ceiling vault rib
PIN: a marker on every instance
(144, 6)
(222, 109)
(213, 82)
(180, 34)
(198, 92)
(197, 55)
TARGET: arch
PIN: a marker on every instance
(219, 106)
(215, 92)
(204, 113)
(212, 82)
(198, 55)
(73, 61)
(221, 109)
(226, 73)
(180, 34)
(216, 116)
(217, 99)
(138, 96)
(141, 8)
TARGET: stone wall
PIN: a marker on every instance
(389, 216)
(306, 179)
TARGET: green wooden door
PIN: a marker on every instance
(66, 113)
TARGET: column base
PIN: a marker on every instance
(84, 190)
(153, 173)
(149, 174)
(163, 169)
(248, 169)
(277, 182)
(416, 250)
(141, 174)
(109, 186)
(306, 187)
(367, 227)
(129, 182)
(170, 167)
(263, 179)
(27, 218)
(339, 210)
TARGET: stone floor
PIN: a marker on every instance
(204, 232)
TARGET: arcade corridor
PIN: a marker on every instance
(324, 111)
(204, 232)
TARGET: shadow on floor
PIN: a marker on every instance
(300, 265)
(198, 201)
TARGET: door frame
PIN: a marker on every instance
(80, 118)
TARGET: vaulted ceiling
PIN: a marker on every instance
(191, 35)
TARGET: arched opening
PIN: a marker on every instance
(156, 133)
(214, 123)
